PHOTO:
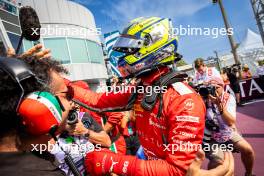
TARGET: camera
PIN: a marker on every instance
(72, 117)
(211, 125)
(205, 90)
(234, 69)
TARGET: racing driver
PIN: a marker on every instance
(165, 124)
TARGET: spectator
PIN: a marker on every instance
(233, 76)
(203, 73)
(246, 72)
(78, 139)
(260, 70)
(224, 76)
(221, 128)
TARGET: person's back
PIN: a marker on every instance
(26, 164)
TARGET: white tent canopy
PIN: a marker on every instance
(250, 50)
(251, 41)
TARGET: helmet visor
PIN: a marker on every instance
(128, 44)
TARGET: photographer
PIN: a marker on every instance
(233, 76)
(221, 129)
(203, 73)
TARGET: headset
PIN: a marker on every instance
(19, 71)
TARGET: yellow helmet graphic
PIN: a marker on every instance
(146, 43)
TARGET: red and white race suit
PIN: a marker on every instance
(181, 122)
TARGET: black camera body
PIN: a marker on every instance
(72, 117)
(205, 90)
(235, 68)
(211, 125)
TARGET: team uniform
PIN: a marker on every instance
(181, 122)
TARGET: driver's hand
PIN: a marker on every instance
(195, 167)
(225, 169)
(34, 51)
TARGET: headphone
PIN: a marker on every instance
(18, 71)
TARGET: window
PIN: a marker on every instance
(2, 48)
(78, 50)
(8, 6)
(59, 49)
(27, 44)
(14, 40)
(95, 52)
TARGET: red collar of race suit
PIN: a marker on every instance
(153, 76)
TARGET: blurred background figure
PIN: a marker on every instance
(190, 81)
(224, 76)
(233, 77)
(260, 70)
(246, 72)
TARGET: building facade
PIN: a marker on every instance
(69, 30)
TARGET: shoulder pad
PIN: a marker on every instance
(181, 88)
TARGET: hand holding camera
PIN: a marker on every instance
(77, 129)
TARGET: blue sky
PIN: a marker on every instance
(115, 14)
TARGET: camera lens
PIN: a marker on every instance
(72, 117)
(203, 92)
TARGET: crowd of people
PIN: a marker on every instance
(53, 126)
